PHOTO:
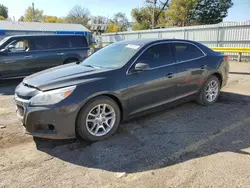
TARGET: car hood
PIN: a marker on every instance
(62, 76)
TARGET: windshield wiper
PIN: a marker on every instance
(92, 66)
(89, 66)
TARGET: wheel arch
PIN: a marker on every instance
(219, 76)
(112, 96)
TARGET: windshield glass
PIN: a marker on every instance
(4, 40)
(113, 56)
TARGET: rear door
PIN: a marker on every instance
(155, 86)
(191, 64)
(18, 60)
(49, 51)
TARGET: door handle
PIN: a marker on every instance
(11, 61)
(28, 56)
(170, 75)
(203, 66)
(60, 53)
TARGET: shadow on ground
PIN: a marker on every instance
(164, 138)
(7, 87)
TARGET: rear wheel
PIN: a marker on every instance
(210, 91)
(98, 119)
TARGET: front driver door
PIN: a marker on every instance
(155, 86)
(18, 60)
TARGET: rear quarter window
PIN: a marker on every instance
(78, 42)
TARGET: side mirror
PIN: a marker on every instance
(141, 67)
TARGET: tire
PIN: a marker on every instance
(96, 121)
(203, 97)
(70, 61)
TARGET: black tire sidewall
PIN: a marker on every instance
(203, 99)
(81, 119)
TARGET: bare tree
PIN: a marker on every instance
(120, 19)
(79, 15)
(99, 20)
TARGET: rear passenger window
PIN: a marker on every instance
(78, 41)
(157, 55)
(43, 43)
(185, 52)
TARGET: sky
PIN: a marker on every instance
(239, 12)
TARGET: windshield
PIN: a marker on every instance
(113, 56)
(4, 40)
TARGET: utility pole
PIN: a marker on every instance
(153, 14)
(33, 12)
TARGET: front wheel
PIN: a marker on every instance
(98, 119)
(209, 92)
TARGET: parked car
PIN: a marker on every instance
(116, 83)
(24, 55)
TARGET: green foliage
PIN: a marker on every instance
(180, 12)
(120, 20)
(2, 18)
(144, 16)
(53, 19)
(29, 17)
(3, 11)
(211, 11)
(112, 28)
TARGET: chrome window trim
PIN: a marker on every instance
(175, 63)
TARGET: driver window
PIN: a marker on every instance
(20, 46)
(157, 55)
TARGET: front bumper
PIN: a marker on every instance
(55, 122)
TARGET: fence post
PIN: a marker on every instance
(239, 57)
(184, 34)
(218, 36)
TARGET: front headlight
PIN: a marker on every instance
(51, 97)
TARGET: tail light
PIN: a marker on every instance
(227, 58)
(90, 52)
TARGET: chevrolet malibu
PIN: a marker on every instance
(123, 80)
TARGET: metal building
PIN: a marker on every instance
(8, 28)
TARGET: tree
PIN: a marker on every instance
(181, 12)
(79, 15)
(2, 18)
(211, 11)
(143, 18)
(112, 28)
(21, 19)
(29, 16)
(151, 15)
(3, 11)
(99, 20)
(53, 19)
(120, 20)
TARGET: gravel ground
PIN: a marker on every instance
(186, 146)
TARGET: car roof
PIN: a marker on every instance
(149, 41)
(144, 42)
(44, 35)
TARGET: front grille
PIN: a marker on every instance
(20, 110)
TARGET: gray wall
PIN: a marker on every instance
(227, 34)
